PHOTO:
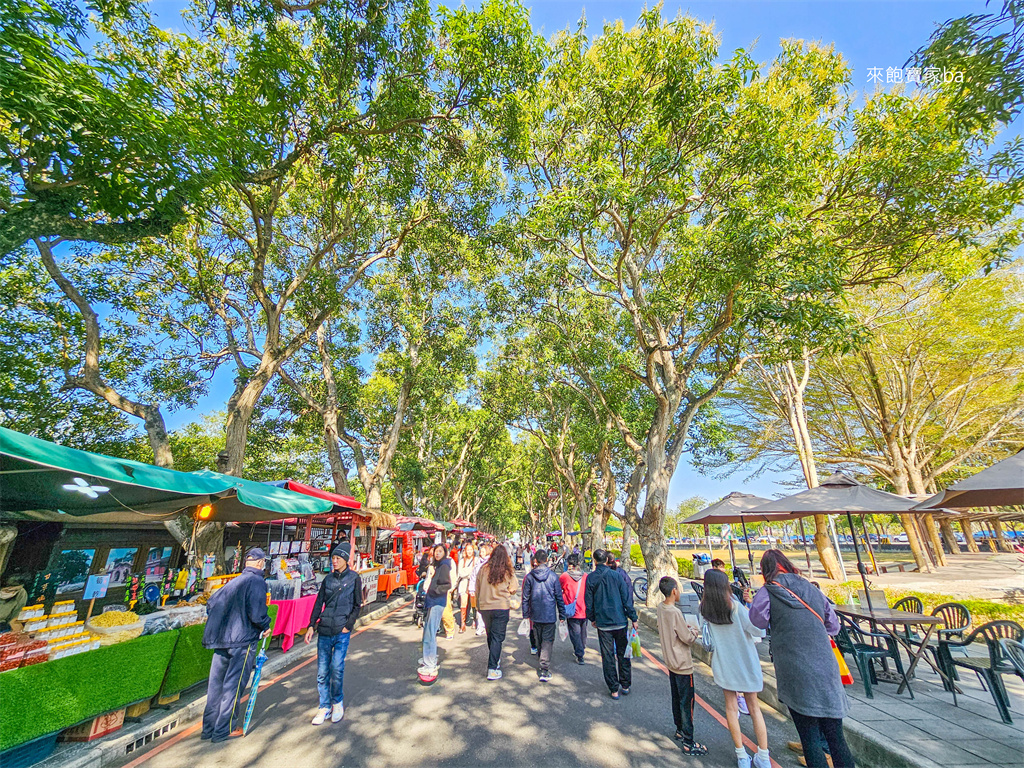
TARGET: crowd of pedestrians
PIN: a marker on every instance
(790, 611)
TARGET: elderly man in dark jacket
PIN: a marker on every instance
(608, 608)
(334, 617)
(543, 603)
(236, 618)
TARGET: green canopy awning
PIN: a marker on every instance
(252, 501)
(44, 481)
(612, 528)
(39, 475)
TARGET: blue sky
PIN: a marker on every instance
(869, 33)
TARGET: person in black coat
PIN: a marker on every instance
(544, 605)
(608, 608)
(334, 617)
(236, 619)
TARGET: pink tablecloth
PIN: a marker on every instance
(292, 617)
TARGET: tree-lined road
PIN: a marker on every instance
(462, 720)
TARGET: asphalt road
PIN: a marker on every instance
(464, 720)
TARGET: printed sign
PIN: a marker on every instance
(96, 586)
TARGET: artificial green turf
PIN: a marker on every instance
(190, 663)
(49, 697)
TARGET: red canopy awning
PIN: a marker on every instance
(345, 502)
(422, 522)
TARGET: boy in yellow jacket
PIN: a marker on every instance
(676, 638)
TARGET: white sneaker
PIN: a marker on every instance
(494, 674)
(762, 762)
(743, 762)
(337, 712)
(321, 715)
(427, 671)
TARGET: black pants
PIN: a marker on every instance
(618, 671)
(682, 704)
(578, 636)
(546, 637)
(495, 622)
(229, 675)
(831, 728)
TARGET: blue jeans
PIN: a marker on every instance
(430, 627)
(330, 667)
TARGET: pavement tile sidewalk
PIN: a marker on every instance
(158, 723)
(927, 731)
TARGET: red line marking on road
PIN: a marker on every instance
(708, 708)
(192, 729)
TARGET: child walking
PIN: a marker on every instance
(735, 663)
(676, 638)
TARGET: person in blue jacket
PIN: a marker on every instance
(334, 617)
(609, 608)
(236, 619)
(544, 605)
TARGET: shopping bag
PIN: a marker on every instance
(524, 628)
(480, 627)
(563, 630)
(844, 670)
(706, 638)
(634, 643)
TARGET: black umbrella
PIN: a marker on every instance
(840, 494)
(735, 508)
(1001, 485)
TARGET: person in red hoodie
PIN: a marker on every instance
(574, 583)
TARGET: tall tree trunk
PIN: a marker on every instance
(339, 472)
(946, 528)
(627, 545)
(793, 405)
(909, 522)
(1004, 545)
(241, 407)
(90, 377)
(968, 531)
(658, 559)
(928, 520)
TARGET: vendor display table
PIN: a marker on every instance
(292, 617)
(49, 697)
(389, 582)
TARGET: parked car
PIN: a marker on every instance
(900, 539)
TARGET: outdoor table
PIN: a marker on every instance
(292, 617)
(389, 582)
(889, 619)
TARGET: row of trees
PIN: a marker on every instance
(347, 207)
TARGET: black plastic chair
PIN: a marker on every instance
(910, 603)
(991, 668)
(1014, 651)
(957, 621)
(851, 640)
